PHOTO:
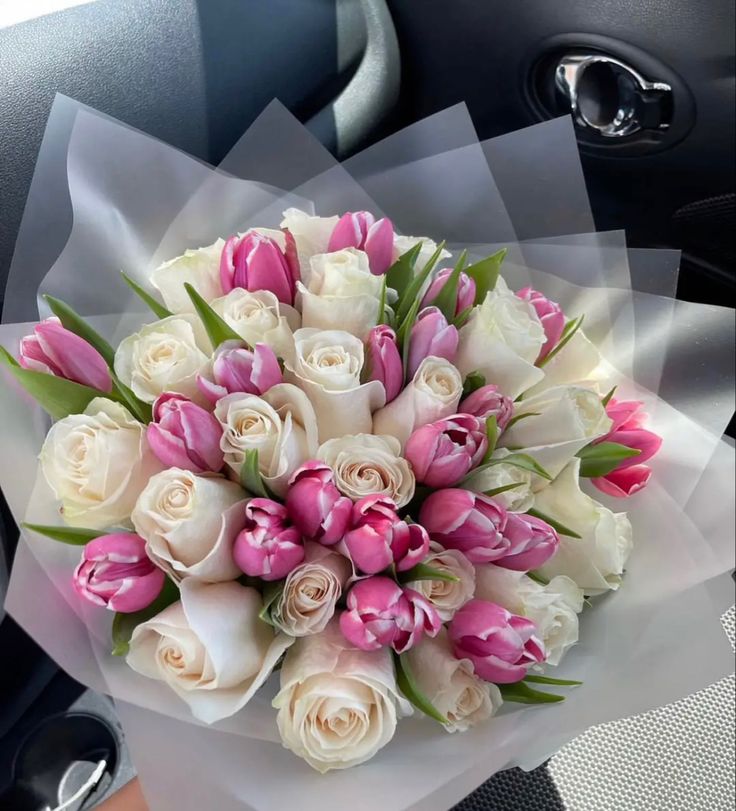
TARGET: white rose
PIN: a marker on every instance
(520, 498)
(259, 317)
(189, 523)
(199, 267)
(97, 463)
(311, 591)
(327, 366)
(433, 394)
(553, 607)
(311, 234)
(501, 340)
(337, 705)
(164, 356)
(279, 424)
(402, 244)
(451, 685)
(211, 648)
(595, 561)
(446, 596)
(342, 293)
(578, 363)
(365, 464)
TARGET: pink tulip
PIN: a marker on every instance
(361, 230)
(57, 351)
(380, 613)
(630, 475)
(256, 262)
(501, 645)
(442, 452)
(431, 335)
(465, 290)
(550, 314)
(185, 435)
(467, 521)
(268, 546)
(378, 537)
(237, 369)
(315, 505)
(116, 573)
(384, 360)
(532, 543)
(488, 401)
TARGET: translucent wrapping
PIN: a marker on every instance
(106, 197)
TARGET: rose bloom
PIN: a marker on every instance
(97, 463)
(520, 499)
(447, 596)
(199, 267)
(337, 705)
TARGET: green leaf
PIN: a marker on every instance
(217, 329)
(496, 491)
(521, 693)
(382, 303)
(403, 335)
(156, 307)
(423, 571)
(538, 578)
(520, 417)
(601, 459)
(123, 625)
(250, 475)
(76, 324)
(401, 273)
(462, 317)
(550, 680)
(143, 412)
(57, 396)
(607, 399)
(485, 274)
(492, 435)
(446, 300)
(570, 329)
(75, 536)
(271, 593)
(411, 691)
(556, 525)
(521, 460)
(415, 286)
(473, 382)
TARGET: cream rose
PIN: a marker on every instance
(447, 596)
(433, 394)
(365, 464)
(553, 607)
(595, 561)
(451, 685)
(337, 705)
(327, 367)
(578, 363)
(189, 523)
(402, 244)
(342, 293)
(501, 340)
(164, 356)
(210, 648)
(520, 499)
(97, 463)
(259, 317)
(311, 234)
(199, 267)
(279, 424)
(311, 591)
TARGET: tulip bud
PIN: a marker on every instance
(268, 546)
(502, 646)
(465, 290)
(384, 360)
(469, 522)
(550, 314)
(431, 335)
(57, 351)
(115, 572)
(236, 369)
(316, 506)
(488, 401)
(442, 452)
(380, 613)
(532, 542)
(256, 262)
(378, 537)
(361, 230)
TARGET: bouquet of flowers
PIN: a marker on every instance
(345, 472)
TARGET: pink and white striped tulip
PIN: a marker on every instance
(488, 401)
(384, 360)
(442, 452)
(465, 290)
(115, 572)
(431, 335)
(268, 547)
(380, 614)
(236, 369)
(57, 351)
(502, 646)
(256, 262)
(550, 314)
(361, 230)
(316, 506)
(532, 542)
